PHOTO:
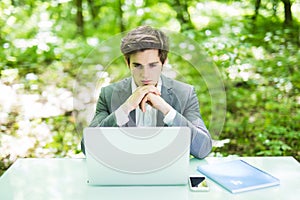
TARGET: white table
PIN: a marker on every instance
(64, 178)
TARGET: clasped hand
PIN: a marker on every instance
(146, 94)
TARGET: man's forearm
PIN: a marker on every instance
(102, 120)
(201, 143)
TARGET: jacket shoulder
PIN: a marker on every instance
(118, 85)
(176, 85)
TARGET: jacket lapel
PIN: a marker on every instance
(124, 93)
(167, 95)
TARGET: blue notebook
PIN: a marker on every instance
(238, 176)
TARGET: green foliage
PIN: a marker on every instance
(42, 56)
(260, 63)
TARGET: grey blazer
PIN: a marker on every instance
(180, 96)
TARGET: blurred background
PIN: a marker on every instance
(45, 48)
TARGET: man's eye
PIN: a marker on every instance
(138, 66)
(153, 65)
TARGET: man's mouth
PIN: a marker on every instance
(146, 82)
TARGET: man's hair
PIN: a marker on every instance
(142, 38)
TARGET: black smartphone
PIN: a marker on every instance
(198, 183)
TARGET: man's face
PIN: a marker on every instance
(145, 67)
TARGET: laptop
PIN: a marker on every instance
(137, 155)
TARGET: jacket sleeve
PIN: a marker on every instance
(103, 116)
(201, 142)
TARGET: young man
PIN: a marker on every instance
(148, 98)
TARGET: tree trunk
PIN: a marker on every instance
(288, 19)
(94, 9)
(79, 17)
(257, 6)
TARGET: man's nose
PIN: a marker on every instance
(145, 72)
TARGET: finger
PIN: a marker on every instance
(152, 89)
(140, 104)
(143, 103)
(143, 91)
(155, 90)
